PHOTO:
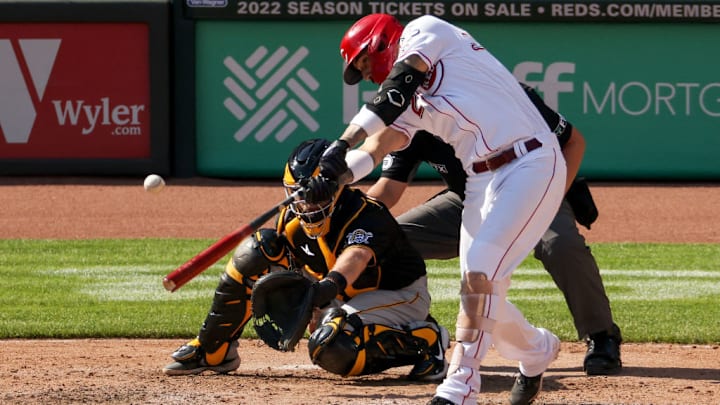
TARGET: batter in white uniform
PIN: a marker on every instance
(434, 76)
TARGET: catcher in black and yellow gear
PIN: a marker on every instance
(351, 259)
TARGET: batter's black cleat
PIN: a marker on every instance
(190, 359)
(439, 401)
(525, 389)
(603, 354)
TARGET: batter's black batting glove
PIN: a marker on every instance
(318, 189)
(332, 161)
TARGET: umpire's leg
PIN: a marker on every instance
(433, 227)
(568, 259)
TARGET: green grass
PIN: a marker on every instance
(113, 288)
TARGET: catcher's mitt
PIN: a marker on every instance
(282, 307)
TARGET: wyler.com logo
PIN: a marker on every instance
(74, 91)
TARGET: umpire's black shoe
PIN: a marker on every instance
(439, 401)
(603, 354)
(525, 389)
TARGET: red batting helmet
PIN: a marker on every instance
(380, 35)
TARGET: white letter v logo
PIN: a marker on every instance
(17, 112)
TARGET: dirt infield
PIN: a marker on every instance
(128, 372)
(124, 371)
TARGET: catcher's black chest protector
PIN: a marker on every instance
(358, 220)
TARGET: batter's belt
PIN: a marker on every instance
(504, 157)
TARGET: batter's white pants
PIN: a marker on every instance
(505, 214)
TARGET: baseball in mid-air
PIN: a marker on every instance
(153, 183)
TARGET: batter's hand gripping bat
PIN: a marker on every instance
(191, 268)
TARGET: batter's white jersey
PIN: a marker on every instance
(473, 102)
(470, 99)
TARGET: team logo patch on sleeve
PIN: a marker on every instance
(387, 162)
(358, 236)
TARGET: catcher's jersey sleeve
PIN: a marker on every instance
(395, 263)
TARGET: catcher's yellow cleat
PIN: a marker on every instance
(191, 359)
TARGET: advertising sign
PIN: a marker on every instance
(261, 89)
(645, 96)
(74, 90)
(555, 11)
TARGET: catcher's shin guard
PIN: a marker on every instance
(231, 308)
(330, 346)
(229, 313)
(343, 345)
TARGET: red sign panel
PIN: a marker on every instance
(74, 90)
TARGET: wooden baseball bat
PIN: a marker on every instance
(191, 268)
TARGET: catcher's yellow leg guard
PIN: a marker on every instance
(258, 252)
(229, 313)
(231, 308)
(343, 345)
(330, 346)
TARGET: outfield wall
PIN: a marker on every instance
(640, 80)
(226, 88)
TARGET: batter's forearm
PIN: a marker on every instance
(363, 160)
(353, 135)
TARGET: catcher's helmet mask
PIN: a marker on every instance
(303, 163)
